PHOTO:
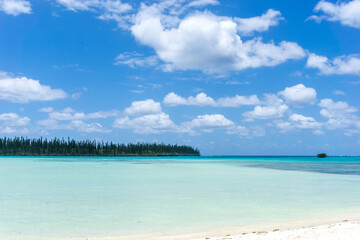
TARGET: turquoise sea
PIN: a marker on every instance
(80, 197)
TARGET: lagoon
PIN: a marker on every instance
(80, 197)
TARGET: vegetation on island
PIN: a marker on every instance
(60, 147)
(322, 155)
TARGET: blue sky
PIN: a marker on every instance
(229, 77)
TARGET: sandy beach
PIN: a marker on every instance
(344, 230)
(339, 231)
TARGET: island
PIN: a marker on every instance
(20, 146)
(322, 155)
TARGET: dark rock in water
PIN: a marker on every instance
(322, 155)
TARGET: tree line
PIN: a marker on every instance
(20, 146)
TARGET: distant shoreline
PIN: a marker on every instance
(20, 146)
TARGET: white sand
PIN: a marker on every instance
(339, 231)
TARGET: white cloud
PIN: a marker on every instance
(69, 119)
(271, 99)
(202, 99)
(334, 109)
(347, 13)
(78, 125)
(108, 9)
(12, 123)
(7, 130)
(147, 124)
(206, 42)
(199, 41)
(109, 6)
(160, 122)
(200, 3)
(299, 95)
(102, 114)
(274, 108)
(66, 115)
(266, 112)
(340, 65)
(148, 106)
(304, 122)
(46, 109)
(209, 121)
(69, 114)
(300, 122)
(134, 60)
(88, 127)
(13, 119)
(206, 123)
(15, 7)
(23, 90)
(341, 116)
(237, 101)
(260, 23)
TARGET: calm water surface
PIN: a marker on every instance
(93, 197)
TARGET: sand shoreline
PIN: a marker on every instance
(346, 230)
(310, 230)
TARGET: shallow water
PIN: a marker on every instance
(93, 197)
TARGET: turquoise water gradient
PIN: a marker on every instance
(93, 197)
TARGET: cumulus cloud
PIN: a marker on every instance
(148, 106)
(299, 95)
(298, 121)
(69, 119)
(15, 7)
(260, 23)
(333, 109)
(274, 107)
(341, 116)
(146, 117)
(202, 99)
(77, 125)
(266, 112)
(12, 123)
(69, 114)
(345, 12)
(13, 119)
(23, 90)
(147, 124)
(206, 123)
(340, 65)
(206, 42)
(209, 121)
(188, 39)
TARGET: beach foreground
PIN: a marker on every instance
(339, 231)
